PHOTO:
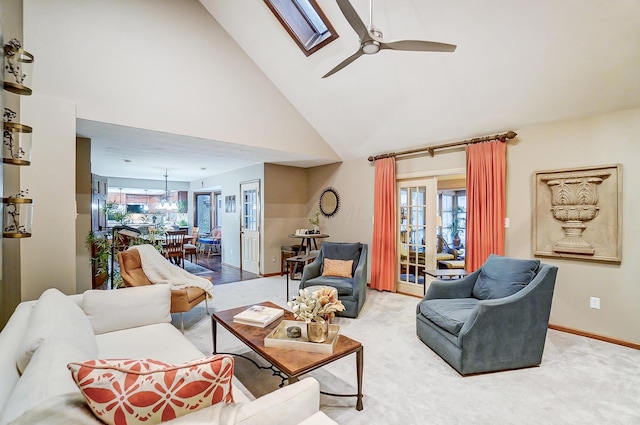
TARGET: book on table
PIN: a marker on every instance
(258, 315)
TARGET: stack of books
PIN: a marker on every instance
(258, 315)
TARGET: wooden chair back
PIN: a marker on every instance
(173, 246)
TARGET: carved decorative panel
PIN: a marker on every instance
(577, 214)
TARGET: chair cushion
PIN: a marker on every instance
(501, 276)
(449, 314)
(342, 251)
(337, 268)
(149, 391)
(342, 284)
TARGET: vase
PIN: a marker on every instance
(317, 331)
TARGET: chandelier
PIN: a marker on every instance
(164, 202)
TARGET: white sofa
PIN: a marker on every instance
(125, 323)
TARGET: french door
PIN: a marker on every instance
(250, 227)
(416, 231)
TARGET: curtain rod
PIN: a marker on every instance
(431, 149)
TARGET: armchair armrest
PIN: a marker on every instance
(495, 318)
(311, 270)
(360, 274)
(460, 288)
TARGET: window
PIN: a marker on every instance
(305, 23)
(203, 212)
(452, 207)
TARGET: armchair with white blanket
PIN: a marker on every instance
(143, 265)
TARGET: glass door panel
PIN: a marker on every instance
(416, 233)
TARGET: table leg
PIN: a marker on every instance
(359, 367)
(214, 334)
(287, 296)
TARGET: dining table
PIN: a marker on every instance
(308, 239)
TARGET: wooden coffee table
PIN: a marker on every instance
(292, 363)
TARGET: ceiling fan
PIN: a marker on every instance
(371, 38)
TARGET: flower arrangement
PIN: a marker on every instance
(316, 306)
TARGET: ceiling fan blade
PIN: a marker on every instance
(419, 46)
(354, 20)
(344, 63)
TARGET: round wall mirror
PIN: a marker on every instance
(329, 202)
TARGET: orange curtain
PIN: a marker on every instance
(383, 251)
(486, 170)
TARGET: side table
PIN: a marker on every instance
(292, 264)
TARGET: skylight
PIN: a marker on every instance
(305, 22)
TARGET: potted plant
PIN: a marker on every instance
(459, 218)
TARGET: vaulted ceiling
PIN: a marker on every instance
(205, 93)
(518, 62)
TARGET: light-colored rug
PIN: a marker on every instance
(580, 381)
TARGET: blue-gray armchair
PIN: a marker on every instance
(351, 288)
(494, 319)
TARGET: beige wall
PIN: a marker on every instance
(285, 209)
(166, 67)
(599, 140)
(48, 257)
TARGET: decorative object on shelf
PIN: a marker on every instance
(16, 140)
(18, 70)
(18, 216)
(314, 220)
(578, 213)
(329, 202)
(164, 202)
(317, 308)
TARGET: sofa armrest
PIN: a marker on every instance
(289, 405)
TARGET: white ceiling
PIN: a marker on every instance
(518, 63)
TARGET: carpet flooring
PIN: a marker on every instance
(580, 381)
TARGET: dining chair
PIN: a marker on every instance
(191, 248)
(173, 247)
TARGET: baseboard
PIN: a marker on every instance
(272, 274)
(624, 343)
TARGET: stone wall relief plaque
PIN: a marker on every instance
(577, 214)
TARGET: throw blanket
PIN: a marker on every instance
(159, 270)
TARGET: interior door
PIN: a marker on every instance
(417, 202)
(250, 226)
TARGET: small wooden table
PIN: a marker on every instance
(293, 262)
(442, 274)
(292, 363)
(307, 240)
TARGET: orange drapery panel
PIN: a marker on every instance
(383, 251)
(486, 170)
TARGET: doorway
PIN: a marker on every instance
(250, 226)
(417, 204)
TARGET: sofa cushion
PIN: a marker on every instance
(342, 251)
(45, 377)
(449, 314)
(138, 306)
(132, 391)
(337, 268)
(55, 316)
(501, 276)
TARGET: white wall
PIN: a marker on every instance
(48, 257)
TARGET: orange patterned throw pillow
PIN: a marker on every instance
(121, 392)
(338, 268)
